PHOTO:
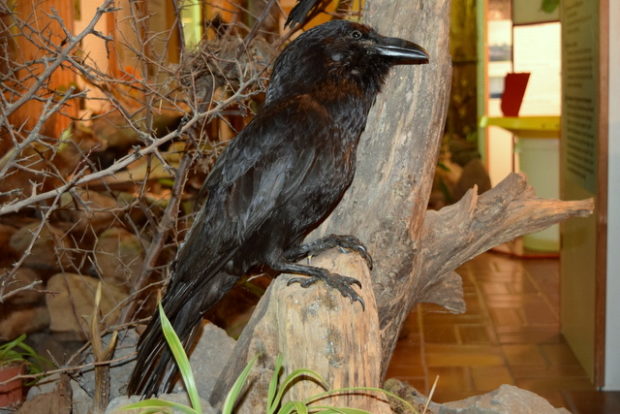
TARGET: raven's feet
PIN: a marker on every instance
(344, 242)
(341, 283)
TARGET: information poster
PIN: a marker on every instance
(580, 90)
(580, 270)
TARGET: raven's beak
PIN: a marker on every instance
(401, 52)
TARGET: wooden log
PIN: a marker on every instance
(314, 328)
(449, 237)
(386, 203)
(459, 232)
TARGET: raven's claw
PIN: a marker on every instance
(341, 283)
(345, 243)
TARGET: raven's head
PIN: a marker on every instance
(340, 51)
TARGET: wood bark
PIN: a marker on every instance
(386, 204)
(313, 328)
(415, 251)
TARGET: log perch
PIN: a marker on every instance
(316, 328)
(319, 329)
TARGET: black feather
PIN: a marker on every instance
(305, 9)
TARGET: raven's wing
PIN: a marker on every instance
(260, 170)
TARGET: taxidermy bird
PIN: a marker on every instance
(278, 180)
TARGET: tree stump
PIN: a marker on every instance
(312, 328)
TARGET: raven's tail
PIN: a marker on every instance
(155, 369)
(184, 304)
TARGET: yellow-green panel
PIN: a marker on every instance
(579, 147)
(578, 281)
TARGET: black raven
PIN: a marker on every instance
(277, 181)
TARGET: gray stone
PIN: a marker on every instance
(507, 399)
(15, 322)
(71, 300)
(474, 173)
(23, 277)
(87, 209)
(6, 232)
(83, 383)
(119, 256)
(209, 358)
(82, 401)
(44, 386)
(50, 250)
(119, 371)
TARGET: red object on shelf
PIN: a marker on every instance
(514, 90)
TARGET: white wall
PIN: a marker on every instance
(612, 346)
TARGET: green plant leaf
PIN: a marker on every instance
(295, 376)
(291, 407)
(332, 393)
(287, 408)
(235, 391)
(341, 410)
(443, 166)
(154, 405)
(273, 385)
(19, 351)
(300, 407)
(181, 359)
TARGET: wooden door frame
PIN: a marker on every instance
(602, 196)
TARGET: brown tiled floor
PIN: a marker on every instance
(510, 334)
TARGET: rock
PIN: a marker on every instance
(209, 358)
(474, 173)
(119, 370)
(507, 399)
(87, 209)
(83, 382)
(23, 277)
(46, 343)
(51, 249)
(71, 299)
(44, 386)
(57, 401)
(82, 402)
(74, 149)
(116, 405)
(409, 394)
(5, 236)
(119, 257)
(112, 128)
(17, 321)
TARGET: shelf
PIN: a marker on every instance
(526, 126)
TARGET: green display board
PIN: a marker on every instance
(580, 90)
(578, 175)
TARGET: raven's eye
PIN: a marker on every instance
(356, 34)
